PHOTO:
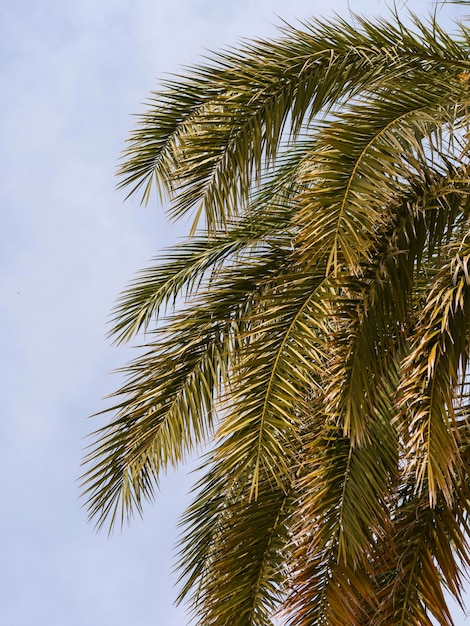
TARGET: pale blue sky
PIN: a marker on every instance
(71, 73)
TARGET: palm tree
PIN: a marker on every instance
(311, 335)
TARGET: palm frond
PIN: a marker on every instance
(168, 405)
(274, 376)
(313, 329)
(428, 548)
(344, 496)
(234, 555)
(439, 355)
(185, 268)
(366, 155)
(374, 311)
(208, 138)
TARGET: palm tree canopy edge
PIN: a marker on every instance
(312, 332)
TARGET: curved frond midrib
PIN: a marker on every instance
(279, 353)
(257, 586)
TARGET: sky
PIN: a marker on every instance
(72, 73)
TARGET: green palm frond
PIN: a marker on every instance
(429, 549)
(210, 135)
(235, 549)
(440, 352)
(273, 379)
(312, 332)
(375, 310)
(343, 511)
(183, 269)
(365, 156)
